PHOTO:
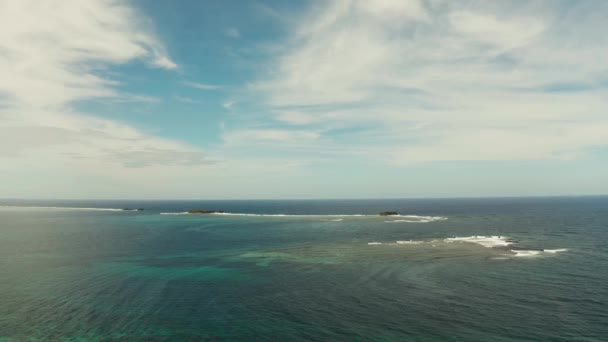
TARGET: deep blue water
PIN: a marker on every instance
(91, 275)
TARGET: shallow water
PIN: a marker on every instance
(526, 269)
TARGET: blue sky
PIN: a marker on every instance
(302, 99)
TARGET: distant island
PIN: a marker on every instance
(202, 211)
(132, 209)
(206, 211)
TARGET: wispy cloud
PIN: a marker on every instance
(232, 32)
(355, 82)
(72, 49)
(54, 54)
(228, 104)
(160, 156)
(270, 135)
(185, 99)
(203, 86)
(126, 97)
(459, 72)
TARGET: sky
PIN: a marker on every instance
(268, 99)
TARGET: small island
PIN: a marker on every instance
(202, 211)
(388, 213)
(132, 209)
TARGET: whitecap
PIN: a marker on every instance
(555, 250)
(525, 253)
(64, 208)
(334, 217)
(411, 221)
(288, 215)
(529, 253)
(486, 241)
(409, 242)
(416, 218)
(436, 218)
(374, 243)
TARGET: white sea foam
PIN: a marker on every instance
(293, 215)
(401, 242)
(334, 217)
(410, 221)
(416, 219)
(409, 242)
(63, 208)
(257, 215)
(555, 250)
(434, 218)
(486, 241)
(529, 253)
(525, 253)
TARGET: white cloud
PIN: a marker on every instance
(476, 81)
(50, 51)
(229, 104)
(294, 117)
(357, 82)
(505, 33)
(185, 99)
(203, 86)
(393, 9)
(269, 135)
(53, 54)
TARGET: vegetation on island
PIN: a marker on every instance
(203, 211)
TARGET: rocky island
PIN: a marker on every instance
(388, 213)
(202, 211)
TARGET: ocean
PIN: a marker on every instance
(492, 269)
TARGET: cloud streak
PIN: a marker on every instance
(472, 80)
(355, 89)
(203, 86)
(54, 54)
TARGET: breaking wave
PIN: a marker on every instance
(486, 241)
(409, 242)
(66, 208)
(416, 219)
(533, 252)
(334, 217)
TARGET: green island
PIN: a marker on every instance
(203, 211)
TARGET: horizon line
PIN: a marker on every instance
(306, 199)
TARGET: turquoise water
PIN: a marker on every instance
(321, 274)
